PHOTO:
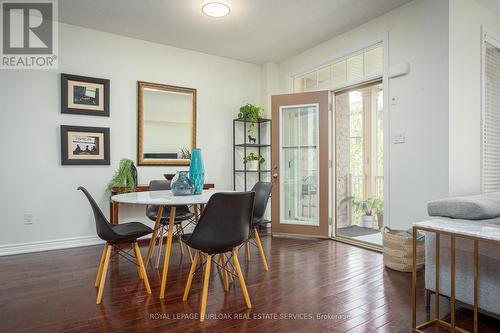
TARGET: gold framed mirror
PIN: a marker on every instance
(166, 125)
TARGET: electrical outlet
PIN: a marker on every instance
(28, 218)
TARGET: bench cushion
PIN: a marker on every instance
(475, 207)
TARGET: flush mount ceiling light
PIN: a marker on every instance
(215, 8)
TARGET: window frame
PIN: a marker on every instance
(487, 36)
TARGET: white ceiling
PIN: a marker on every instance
(256, 31)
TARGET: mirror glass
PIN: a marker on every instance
(167, 117)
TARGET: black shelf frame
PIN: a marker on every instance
(259, 146)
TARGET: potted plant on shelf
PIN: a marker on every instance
(251, 113)
(125, 177)
(367, 207)
(253, 161)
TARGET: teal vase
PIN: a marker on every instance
(197, 171)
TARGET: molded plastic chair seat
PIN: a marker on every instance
(130, 231)
(223, 226)
(115, 234)
(262, 192)
(213, 249)
(182, 213)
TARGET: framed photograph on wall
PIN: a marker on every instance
(84, 95)
(84, 145)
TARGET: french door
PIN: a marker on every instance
(300, 164)
(359, 163)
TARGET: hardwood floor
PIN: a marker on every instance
(346, 286)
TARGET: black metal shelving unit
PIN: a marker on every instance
(245, 146)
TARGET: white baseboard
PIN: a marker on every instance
(55, 244)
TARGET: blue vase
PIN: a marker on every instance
(181, 185)
(197, 171)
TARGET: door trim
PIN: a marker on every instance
(277, 102)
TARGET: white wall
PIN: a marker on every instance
(466, 19)
(32, 178)
(418, 34)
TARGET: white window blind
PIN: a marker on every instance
(358, 66)
(491, 118)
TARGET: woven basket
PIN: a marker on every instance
(398, 248)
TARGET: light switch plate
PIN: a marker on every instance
(399, 138)
(28, 219)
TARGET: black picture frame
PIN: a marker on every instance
(69, 107)
(82, 158)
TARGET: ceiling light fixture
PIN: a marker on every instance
(215, 8)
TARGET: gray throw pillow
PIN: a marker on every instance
(474, 207)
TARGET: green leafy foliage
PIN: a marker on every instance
(123, 177)
(253, 157)
(251, 113)
(368, 207)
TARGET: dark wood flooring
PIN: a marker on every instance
(348, 288)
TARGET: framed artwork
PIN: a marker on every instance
(84, 95)
(84, 145)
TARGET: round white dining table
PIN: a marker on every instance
(165, 199)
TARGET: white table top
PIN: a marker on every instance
(475, 229)
(164, 198)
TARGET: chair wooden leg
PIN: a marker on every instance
(153, 237)
(261, 250)
(230, 269)
(240, 277)
(168, 248)
(99, 271)
(222, 260)
(196, 214)
(160, 244)
(179, 239)
(138, 257)
(139, 271)
(103, 273)
(189, 252)
(190, 277)
(247, 250)
(204, 294)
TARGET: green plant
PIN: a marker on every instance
(251, 113)
(124, 176)
(378, 206)
(369, 206)
(253, 157)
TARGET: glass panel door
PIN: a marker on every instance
(299, 165)
(359, 156)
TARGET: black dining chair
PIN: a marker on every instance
(262, 193)
(223, 226)
(115, 234)
(182, 214)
